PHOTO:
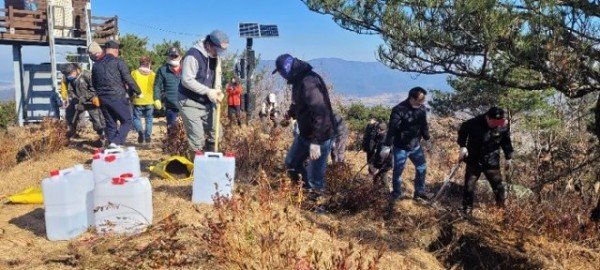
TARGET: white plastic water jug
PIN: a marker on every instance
(68, 202)
(115, 162)
(213, 173)
(123, 205)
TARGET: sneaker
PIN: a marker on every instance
(467, 210)
(148, 140)
(140, 138)
(423, 196)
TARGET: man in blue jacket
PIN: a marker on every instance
(407, 126)
(110, 77)
(311, 107)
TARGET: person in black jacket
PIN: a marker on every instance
(368, 142)
(311, 107)
(408, 125)
(480, 140)
(379, 165)
(110, 77)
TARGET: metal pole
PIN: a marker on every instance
(248, 67)
(18, 81)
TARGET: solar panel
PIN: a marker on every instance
(269, 30)
(249, 30)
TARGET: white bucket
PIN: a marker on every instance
(68, 202)
(213, 174)
(123, 205)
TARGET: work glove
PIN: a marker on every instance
(463, 153)
(508, 165)
(427, 144)
(215, 95)
(96, 102)
(79, 107)
(315, 151)
(385, 151)
(140, 95)
(158, 104)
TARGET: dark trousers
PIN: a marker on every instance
(115, 109)
(73, 116)
(472, 174)
(235, 111)
(172, 114)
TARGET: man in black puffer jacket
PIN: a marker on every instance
(408, 125)
(480, 140)
(110, 77)
(312, 108)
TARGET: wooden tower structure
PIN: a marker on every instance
(58, 25)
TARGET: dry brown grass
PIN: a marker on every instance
(265, 225)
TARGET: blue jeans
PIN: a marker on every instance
(418, 159)
(313, 174)
(143, 111)
(116, 108)
(172, 114)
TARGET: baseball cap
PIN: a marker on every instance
(219, 38)
(283, 64)
(496, 116)
(111, 44)
(173, 52)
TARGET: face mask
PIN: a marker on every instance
(220, 51)
(174, 63)
(70, 78)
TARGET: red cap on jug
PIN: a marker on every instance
(118, 181)
(199, 153)
(127, 175)
(97, 156)
(230, 154)
(97, 151)
(110, 158)
(54, 173)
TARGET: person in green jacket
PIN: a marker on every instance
(166, 85)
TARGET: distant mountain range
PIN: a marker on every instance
(7, 90)
(352, 79)
(368, 79)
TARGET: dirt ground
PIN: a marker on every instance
(454, 243)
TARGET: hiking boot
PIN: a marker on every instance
(423, 196)
(140, 138)
(148, 140)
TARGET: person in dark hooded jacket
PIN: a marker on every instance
(311, 107)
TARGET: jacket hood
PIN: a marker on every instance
(145, 71)
(199, 45)
(298, 69)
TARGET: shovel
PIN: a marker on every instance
(446, 181)
(217, 126)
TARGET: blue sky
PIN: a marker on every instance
(303, 33)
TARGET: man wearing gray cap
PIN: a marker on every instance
(200, 89)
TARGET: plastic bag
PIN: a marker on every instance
(174, 168)
(32, 195)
